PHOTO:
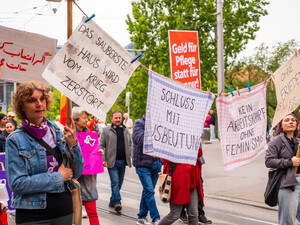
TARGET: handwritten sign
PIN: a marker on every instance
(175, 116)
(184, 57)
(89, 144)
(3, 178)
(91, 69)
(287, 85)
(24, 55)
(242, 122)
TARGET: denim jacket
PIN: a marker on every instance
(26, 169)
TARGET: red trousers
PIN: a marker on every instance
(91, 211)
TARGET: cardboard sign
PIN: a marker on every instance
(89, 144)
(242, 123)
(24, 55)
(91, 69)
(287, 84)
(175, 116)
(184, 57)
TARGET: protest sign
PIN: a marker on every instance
(242, 123)
(184, 57)
(175, 116)
(287, 85)
(89, 144)
(91, 69)
(24, 55)
(3, 179)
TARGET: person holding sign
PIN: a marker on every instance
(281, 155)
(36, 155)
(88, 183)
(147, 168)
(116, 143)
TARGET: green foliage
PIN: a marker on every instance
(55, 109)
(258, 68)
(152, 19)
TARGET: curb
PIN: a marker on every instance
(242, 201)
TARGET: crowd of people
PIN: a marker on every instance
(42, 158)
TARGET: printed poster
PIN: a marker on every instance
(184, 57)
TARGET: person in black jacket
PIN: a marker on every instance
(147, 168)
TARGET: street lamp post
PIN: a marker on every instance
(220, 45)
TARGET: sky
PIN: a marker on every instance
(280, 25)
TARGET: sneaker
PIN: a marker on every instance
(84, 214)
(143, 221)
(111, 204)
(155, 222)
(183, 218)
(118, 206)
(203, 220)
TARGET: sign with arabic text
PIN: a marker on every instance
(91, 69)
(287, 85)
(184, 57)
(24, 55)
(242, 123)
(89, 144)
(175, 116)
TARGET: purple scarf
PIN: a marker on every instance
(36, 131)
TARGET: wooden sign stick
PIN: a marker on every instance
(298, 156)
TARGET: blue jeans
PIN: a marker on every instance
(297, 190)
(288, 203)
(212, 132)
(148, 178)
(116, 175)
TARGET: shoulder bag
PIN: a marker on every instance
(273, 186)
(164, 184)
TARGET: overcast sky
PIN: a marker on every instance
(280, 25)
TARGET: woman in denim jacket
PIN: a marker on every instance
(36, 174)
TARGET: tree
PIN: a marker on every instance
(152, 19)
(257, 68)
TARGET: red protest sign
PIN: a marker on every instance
(184, 57)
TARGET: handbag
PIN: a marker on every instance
(272, 188)
(164, 184)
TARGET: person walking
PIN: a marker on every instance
(281, 155)
(127, 122)
(147, 168)
(88, 183)
(115, 141)
(36, 155)
(186, 190)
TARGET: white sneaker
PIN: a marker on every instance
(143, 221)
(155, 222)
(84, 214)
